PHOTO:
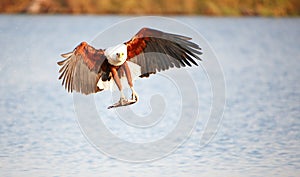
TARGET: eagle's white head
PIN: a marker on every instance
(116, 55)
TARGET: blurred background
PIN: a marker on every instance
(259, 134)
(156, 7)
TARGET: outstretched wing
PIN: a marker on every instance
(156, 51)
(81, 69)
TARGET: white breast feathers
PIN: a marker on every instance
(116, 55)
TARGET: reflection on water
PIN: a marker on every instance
(39, 134)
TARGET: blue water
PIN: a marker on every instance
(259, 134)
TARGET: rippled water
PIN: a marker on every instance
(259, 134)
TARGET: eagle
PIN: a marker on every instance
(89, 70)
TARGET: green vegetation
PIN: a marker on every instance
(157, 7)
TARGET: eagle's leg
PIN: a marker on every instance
(134, 95)
(114, 71)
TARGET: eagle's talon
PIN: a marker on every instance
(134, 96)
(122, 101)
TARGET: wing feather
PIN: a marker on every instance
(155, 51)
(81, 70)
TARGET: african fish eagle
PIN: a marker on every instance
(86, 69)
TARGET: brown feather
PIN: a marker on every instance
(82, 69)
(165, 50)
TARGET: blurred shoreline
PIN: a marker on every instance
(265, 8)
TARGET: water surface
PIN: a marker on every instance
(259, 134)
